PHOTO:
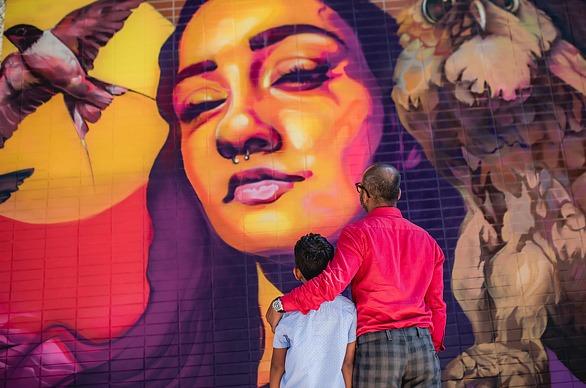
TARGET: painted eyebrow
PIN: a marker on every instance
(196, 69)
(259, 42)
(277, 34)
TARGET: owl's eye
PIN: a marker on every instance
(435, 10)
(510, 5)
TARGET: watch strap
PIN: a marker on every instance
(278, 305)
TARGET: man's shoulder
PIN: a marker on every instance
(355, 226)
(423, 233)
(413, 227)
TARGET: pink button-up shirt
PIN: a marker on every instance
(396, 271)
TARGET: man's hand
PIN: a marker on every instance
(273, 317)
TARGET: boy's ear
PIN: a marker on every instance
(298, 275)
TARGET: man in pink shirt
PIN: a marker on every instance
(395, 269)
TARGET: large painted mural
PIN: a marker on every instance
(159, 159)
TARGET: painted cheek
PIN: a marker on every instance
(359, 129)
(355, 105)
(305, 130)
(357, 155)
(197, 145)
(199, 150)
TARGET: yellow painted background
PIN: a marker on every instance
(122, 144)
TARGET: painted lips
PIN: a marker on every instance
(261, 186)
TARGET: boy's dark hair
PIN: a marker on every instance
(313, 252)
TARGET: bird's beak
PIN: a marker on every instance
(10, 38)
(478, 12)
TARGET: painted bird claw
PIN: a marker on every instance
(494, 365)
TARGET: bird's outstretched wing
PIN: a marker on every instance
(87, 29)
(9, 182)
(21, 93)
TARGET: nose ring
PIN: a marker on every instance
(235, 159)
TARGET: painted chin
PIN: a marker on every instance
(262, 192)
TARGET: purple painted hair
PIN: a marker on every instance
(202, 325)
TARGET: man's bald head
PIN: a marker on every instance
(382, 182)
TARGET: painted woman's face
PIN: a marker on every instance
(279, 117)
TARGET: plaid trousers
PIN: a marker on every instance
(396, 358)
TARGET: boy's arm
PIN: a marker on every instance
(348, 364)
(280, 345)
(277, 367)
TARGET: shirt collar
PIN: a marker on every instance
(388, 211)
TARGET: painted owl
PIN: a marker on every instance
(496, 99)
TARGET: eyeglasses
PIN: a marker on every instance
(360, 188)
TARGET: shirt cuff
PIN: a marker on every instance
(439, 348)
(287, 303)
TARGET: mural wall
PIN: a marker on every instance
(158, 160)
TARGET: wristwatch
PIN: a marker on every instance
(278, 306)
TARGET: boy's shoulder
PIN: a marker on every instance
(291, 318)
(340, 303)
(341, 300)
(344, 304)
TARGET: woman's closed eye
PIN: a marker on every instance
(302, 75)
(191, 100)
(194, 109)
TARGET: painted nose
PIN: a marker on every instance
(478, 12)
(243, 133)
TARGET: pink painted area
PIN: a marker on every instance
(87, 275)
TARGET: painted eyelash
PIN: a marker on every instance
(320, 70)
(192, 111)
(300, 68)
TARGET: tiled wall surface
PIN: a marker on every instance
(126, 259)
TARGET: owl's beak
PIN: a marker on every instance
(478, 12)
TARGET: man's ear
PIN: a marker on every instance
(399, 196)
(298, 275)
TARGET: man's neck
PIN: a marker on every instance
(381, 205)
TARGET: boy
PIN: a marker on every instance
(317, 349)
